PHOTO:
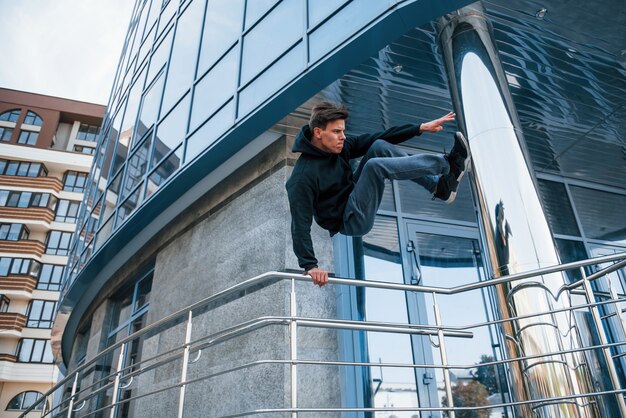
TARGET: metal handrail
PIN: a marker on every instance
(264, 280)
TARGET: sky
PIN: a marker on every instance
(63, 48)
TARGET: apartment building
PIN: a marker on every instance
(46, 148)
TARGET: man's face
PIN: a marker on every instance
(331, 138)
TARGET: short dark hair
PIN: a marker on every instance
(325, 112)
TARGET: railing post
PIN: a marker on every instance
(183, 374)
(444, 357)
(116, 384)
(604, 341)
(70, 407)
(44, 408)
(293, 348)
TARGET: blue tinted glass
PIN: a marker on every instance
(150, 106)
(132, 106)
(129, 206)
(273, 79)
(167, 14)
(164, 171)
(280, 29)
(136, 167)
(171, 131)
(221, 29)
(160, 55)
(145, 49)
(182, 66)
(343, 25)
(215, 88)
(153, 15)
(318, 10)
(257, 8)
(210, 131)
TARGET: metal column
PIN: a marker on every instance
(514, 230)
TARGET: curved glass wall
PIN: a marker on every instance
(190, 71)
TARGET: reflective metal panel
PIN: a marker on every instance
(515, 231)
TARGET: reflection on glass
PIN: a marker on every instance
(182, 64)
(592, 205)
(342, 25)
(167, 14)
(171, 131)
(418, 201)
(557, 208)
(280, 29)
(257, 8)
(132, 106)
(209, 132)
(150, 106)
(215, 88)
(318, 10)
(136, 167)
(159, 56)
(129, 205)
(221, 29)
(448, 261)
(164, 171)
(383, 263)
(273, 79)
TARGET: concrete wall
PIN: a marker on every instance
(238, 230)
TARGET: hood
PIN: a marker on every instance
(303, 144)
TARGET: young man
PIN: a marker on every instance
(322, 184)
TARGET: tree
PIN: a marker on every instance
(470, 394)
(486, 374)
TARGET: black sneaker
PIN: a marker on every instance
(459, 157)
(446, 188)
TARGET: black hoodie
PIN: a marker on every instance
(321, 182)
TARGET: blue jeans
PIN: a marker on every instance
(385, 161)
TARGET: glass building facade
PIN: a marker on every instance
(202, 82)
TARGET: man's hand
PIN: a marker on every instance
(320, 277)
(435, 125)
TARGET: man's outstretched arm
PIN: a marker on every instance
(436, 125)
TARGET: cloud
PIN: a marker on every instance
(65, 48)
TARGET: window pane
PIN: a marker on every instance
(215, 88)
(150, 106)
(210, 131)
(557, 207)
(171, 131)
(221, 29)
(592, 205)
(182, 65)
(26, 348)
(417, 200)
(281, 29)
(164, 171)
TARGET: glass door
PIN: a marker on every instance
(446, 256)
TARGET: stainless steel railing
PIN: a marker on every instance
(78, 396)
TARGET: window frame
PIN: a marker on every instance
(11, 117)
(62, 244)
(53, 274)
(44, 311)
(29, 135)
(32, 350)
(32, 117)
(22, 405)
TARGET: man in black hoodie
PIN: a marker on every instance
(322, 184)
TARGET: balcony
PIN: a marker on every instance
(14, 284)
(11, 321)
(30, 247)
(48, 183)
(27, 214)
(14, 371)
